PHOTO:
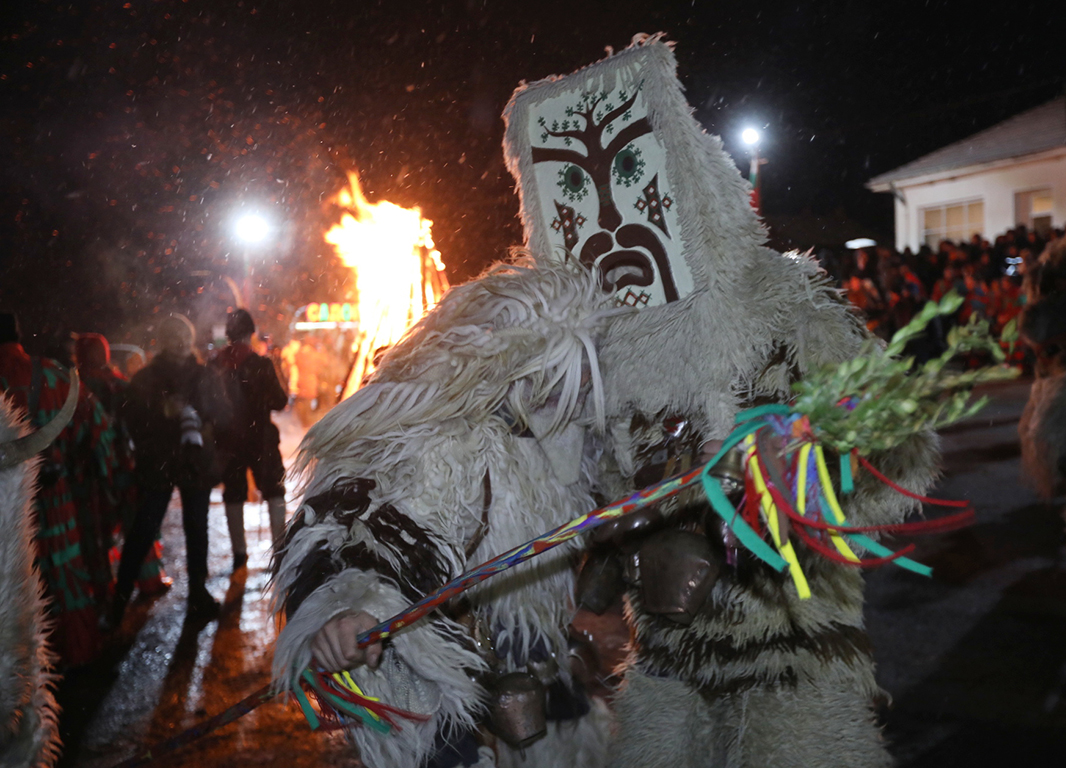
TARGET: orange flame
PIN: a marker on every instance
(399, 274)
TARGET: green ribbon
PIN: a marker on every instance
(847, 482)
(881, 551)
(721, 505)
(347, 707)
(746, 425)
(305, 705)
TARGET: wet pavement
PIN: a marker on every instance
(974, 658)
(164, 674)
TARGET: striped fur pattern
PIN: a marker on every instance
(28, 729)
(755, 636)
(453, 431)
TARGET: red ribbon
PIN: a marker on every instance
(385, 711)
(819, 547)
(904, 491)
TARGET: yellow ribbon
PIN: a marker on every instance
(772, 522)
(801, 498)
(345, 680)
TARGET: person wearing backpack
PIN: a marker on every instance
(252, 440)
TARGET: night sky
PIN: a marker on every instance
(130, 133)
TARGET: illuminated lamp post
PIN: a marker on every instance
(751, 138)
(252, 230)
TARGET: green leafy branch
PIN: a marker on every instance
(877, 400)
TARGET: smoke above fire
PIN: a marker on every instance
(398, 271)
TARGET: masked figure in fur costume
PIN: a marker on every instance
(1042, 427)
(29, 736)
(614, 171)
(467, 441)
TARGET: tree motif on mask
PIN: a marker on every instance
(596, 140)
(587, 122)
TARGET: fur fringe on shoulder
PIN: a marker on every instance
(532, 321)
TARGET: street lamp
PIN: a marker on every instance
(251, 230)
(751, 137)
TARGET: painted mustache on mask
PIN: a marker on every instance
(618, 269)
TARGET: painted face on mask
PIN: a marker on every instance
(604, 193)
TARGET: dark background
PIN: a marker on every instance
(131, 133)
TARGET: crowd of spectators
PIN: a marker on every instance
(109, 476)
(891, 287)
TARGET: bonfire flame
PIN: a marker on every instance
(399, 274)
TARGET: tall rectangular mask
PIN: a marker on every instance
(596, 175)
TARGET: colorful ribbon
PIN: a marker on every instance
(813, 512)
(782, 555)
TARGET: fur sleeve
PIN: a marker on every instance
(343, 553)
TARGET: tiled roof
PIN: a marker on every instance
(1037, 130)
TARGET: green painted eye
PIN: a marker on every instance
(628, 166)
(574, 182)
(574, 179)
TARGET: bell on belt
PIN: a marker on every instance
(584, 660)
(678, 569)
(729, 471)
(516, 710)
(627, 530)
(600, 580)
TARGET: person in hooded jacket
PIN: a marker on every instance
(251, 441)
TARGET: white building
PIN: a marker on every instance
(1012, 173)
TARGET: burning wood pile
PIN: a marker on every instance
(399, 274)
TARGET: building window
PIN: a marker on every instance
(1033, 209)
(957, 222)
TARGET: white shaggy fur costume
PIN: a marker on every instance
(760, 678)
(28, 732)
(429, 469)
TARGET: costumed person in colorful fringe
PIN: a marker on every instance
(739, 657)
(251, 440)
(117, 500)
(29, 733)
(81, 457)
(477, 432)
(1042, 427)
